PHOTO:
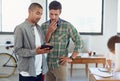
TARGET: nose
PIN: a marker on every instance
(53, 17)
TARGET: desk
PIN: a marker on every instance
(87, 60)
(93, 77)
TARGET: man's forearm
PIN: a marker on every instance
(47, 37)
(74, 55)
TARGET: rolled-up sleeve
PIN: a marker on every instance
(75, 36)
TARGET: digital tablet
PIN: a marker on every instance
(46, 46)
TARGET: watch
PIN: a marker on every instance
(71, 57)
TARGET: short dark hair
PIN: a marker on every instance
(111, 42)
(34, 5)
(55, 5)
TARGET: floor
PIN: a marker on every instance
(78, 75)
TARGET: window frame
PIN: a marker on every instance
(1, 31)
(82, 33)
(85, 33)
(118, 14)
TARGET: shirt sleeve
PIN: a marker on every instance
(18, 45)
(75, 36)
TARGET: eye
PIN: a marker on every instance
(38, 13)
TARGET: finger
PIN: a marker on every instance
(53, 21)
(53, 24)
(48, 44)
(63, 62)
(47, 48)
(47, 51)
(38, 47)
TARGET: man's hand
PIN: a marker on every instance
(42, 51)
(52, 27)
(63, 60)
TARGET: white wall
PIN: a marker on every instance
(91, 42)
(98, 43)
(4, 38)
(95, 43)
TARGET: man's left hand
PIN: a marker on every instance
(63, 60)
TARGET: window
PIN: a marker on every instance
(85, 15)
(12, 12)
(118, 25)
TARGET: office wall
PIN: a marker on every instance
(4, 38)
(98, 43)
(95, 43)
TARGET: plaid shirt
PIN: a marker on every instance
(60, 41)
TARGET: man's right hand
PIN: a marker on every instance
(42, 51)
(52, 27)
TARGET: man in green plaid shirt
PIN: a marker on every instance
(58, 33)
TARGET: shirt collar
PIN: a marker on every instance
(31, 25)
